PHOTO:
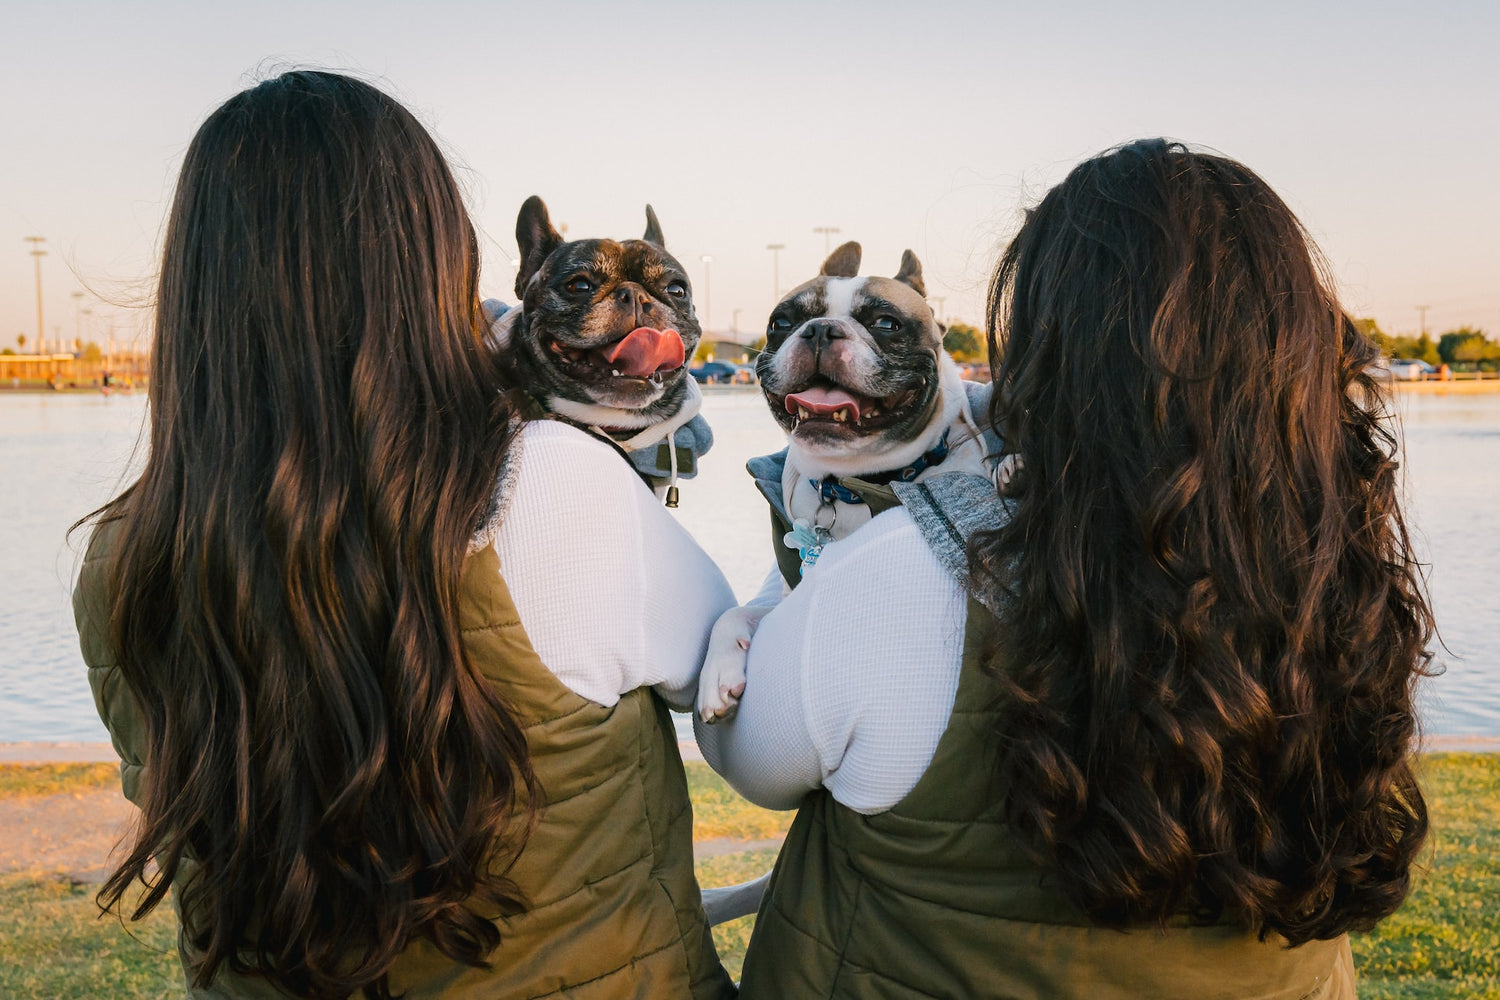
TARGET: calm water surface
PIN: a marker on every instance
(62, 456)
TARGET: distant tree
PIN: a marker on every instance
(1425, 349)
(91, 353)
(6, 351)
(964, 342)
(704, 351)
(1467, 346)
(21, 341)
(1393, 345)
(1367, 326)
(757, 345)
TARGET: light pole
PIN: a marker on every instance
(708, 294)
(827, 231)
(37, 252)
(1422, 320)
(775, 249)
(940, 299)
(734, 321)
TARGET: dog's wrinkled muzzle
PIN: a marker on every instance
(645, 351)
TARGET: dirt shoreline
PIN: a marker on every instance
(97, 753)
(75, 834)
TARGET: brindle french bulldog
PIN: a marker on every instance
(601, 340)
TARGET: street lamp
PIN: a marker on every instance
(776, 249)
(734, 321)
(827, 231)
(37, 252)
(940, 299)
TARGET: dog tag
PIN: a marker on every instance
(808, 540)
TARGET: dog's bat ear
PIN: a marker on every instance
(653, 229)
(911, 273)
(536, 237)
(843, 262)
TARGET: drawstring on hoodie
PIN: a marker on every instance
(672, 457)
(666, 429)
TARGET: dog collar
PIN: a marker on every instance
(830, 489)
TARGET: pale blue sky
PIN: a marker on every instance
(922, 125)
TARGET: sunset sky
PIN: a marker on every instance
(923, 125)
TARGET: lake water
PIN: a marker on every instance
(61, 456)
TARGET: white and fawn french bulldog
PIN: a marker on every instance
(601, 340)
(855, 372)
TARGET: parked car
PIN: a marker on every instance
(744, 375)
(1410, 369)
(713, 372)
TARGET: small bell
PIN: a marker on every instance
(671, 496)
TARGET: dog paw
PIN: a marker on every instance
(1010, 466)
(722, 680)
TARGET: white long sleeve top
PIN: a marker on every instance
(850, 680)
(613, 592)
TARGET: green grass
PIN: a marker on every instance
(1444, 943)
(28, 780)
(727, 869)
(55, 946)
(718, 811)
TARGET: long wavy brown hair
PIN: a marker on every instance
(1213, 622)
(328, 777)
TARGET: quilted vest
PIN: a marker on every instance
(614, 909)
(936, 898)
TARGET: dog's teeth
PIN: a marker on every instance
(841, 416)
(615, 372)
(802, 413)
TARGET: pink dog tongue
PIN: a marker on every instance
(645, 351)
(823, 400)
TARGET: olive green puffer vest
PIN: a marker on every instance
(935, 898)
(614, 909)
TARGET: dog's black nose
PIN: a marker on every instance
(630, 293)
(821, 331)
(631, 297)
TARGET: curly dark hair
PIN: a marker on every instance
(329, 778)
(1213, 623)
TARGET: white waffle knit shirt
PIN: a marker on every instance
(850, 680)
(612, 591)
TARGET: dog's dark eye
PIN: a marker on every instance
(886, 324)
(580, 285)
(677, 290)
(779, 324)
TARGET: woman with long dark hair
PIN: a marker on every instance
(355, 775)
(1158, 696)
